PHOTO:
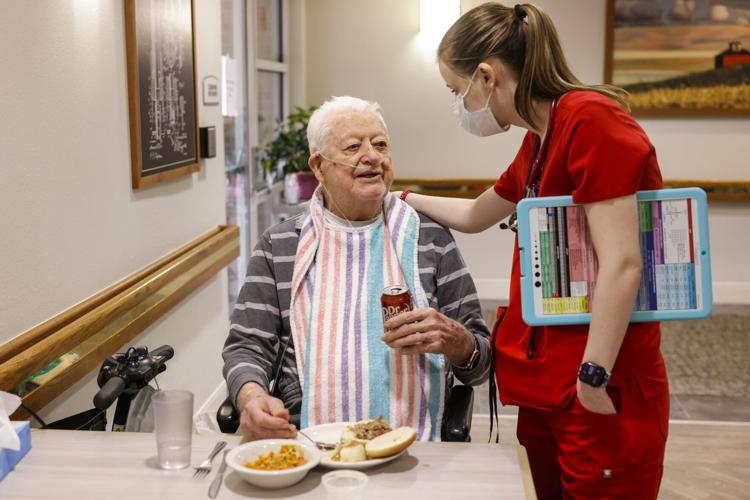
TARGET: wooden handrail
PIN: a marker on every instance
(97, 327)
(717, 190)
(43, 330)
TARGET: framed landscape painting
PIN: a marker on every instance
(680, 57)
(160, 42)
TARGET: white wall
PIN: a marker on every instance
(70, 222)
(373, 50)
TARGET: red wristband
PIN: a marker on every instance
(404, 194)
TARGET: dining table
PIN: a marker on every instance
(68, 465)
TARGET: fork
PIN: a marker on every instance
(318, 444)
(205, 467)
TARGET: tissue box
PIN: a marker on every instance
(9, 458)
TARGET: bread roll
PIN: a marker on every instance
(390, 443)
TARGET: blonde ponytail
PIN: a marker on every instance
(525, 38)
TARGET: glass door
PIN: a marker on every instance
(234, 110)
(271, 82)
(255, 97)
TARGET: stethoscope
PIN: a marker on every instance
(533, 179)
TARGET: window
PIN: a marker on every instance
(272, 67)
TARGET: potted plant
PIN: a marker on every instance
(287, 156)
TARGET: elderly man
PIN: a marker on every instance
(307, 344)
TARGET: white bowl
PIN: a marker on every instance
(249, 452)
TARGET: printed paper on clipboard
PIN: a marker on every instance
(559, 265)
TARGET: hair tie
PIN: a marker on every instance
(520, 13)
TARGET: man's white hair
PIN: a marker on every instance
(319, 126)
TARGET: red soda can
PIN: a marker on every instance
(395, 300)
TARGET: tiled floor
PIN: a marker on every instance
(708, 362)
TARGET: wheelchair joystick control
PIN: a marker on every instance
(122, 375)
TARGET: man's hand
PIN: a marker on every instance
(427, 330)
(262, 416)
(595, 399)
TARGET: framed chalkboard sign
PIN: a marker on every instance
(160, 40)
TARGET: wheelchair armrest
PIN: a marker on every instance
(227, 417)
(458, 412)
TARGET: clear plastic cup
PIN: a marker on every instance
(344, 484)
(173, 425)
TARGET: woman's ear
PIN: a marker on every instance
(314, 163)
(487, 74)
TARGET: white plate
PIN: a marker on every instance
(331, 433)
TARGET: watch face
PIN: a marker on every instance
(592, 374)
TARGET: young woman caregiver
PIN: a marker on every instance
(593, 399)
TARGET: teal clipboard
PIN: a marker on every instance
(558, 265)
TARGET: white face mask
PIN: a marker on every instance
(480, 122)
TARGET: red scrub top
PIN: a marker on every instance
(596, 152)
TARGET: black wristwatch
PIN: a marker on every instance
(593, 374)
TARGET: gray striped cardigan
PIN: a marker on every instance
(260, 320)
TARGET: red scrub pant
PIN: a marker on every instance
(574, 453)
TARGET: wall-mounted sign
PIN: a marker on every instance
(211, 91)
